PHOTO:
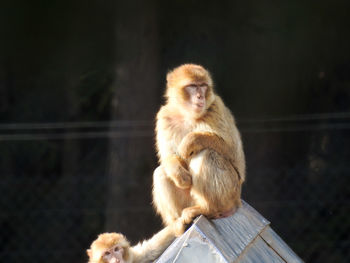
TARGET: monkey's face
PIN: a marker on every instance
(109, 248)
(190, 89)
(196, 97)
(113, 255)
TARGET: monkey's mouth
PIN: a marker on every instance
(199, 105)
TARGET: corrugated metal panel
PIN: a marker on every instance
(243, 237)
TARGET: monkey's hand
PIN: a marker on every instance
(191, 145)
(195, 142)
(176, 169)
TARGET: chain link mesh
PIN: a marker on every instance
(54, 195)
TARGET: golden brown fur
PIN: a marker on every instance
(104, 242)
(202, 164)
(144, 252)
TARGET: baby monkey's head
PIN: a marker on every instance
(109, 248)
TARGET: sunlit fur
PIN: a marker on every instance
(144, 252)
(202, 164)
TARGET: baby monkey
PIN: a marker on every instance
(109, 248)
(115, 248)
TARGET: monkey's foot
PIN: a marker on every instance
(189, 213)
(179, 228)
(225, 214)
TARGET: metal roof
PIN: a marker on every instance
(243, 237)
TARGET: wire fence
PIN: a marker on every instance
(55, 185)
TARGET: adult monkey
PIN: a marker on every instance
(202, 164)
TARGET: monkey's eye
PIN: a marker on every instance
(107, 253)
(191, 87)
(116, 249)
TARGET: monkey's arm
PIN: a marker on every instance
(149, 250)
(194, 142)
(176, 169)
(174, 166)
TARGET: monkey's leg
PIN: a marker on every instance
(168, 200)
(216, 186)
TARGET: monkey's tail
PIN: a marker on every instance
(149, 250)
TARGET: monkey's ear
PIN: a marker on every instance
(89, 252)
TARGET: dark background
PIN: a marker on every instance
(81, 82)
